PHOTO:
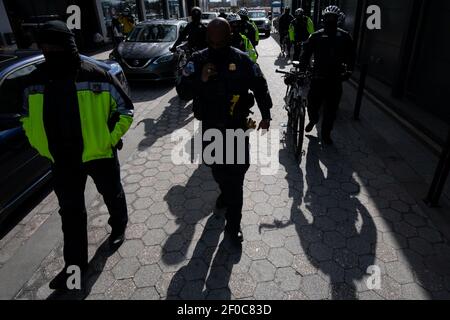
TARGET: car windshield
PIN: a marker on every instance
(257, 14)
(208, 16)
(154, 33)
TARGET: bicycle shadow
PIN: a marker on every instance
(336, 232)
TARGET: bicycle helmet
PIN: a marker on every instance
(222, 10)
(299, 12)
(334, 10)
(243, 12)
(232, 17)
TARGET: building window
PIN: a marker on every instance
(153, 9)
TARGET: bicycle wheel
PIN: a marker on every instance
(300, 132)
(294, 130)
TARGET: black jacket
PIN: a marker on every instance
(195, 34)
(249, 31)
(237, 74)
(284, 21)
(330, 52)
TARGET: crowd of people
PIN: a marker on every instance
(75, 114)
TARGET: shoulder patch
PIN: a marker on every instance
(189, 69)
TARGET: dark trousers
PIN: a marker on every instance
(230, 178)
(297, 51)
(69, 184)
(327, 93)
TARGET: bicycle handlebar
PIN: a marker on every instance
(304, 74)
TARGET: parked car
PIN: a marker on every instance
(145, 54)
(261, 20)
(22, 170)
(208, 16)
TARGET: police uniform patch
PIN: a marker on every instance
(232, 67)
(188, 69)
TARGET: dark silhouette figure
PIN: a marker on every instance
(338, 237)
(197, 284)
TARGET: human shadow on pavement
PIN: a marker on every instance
(336, 232)
(189, 203)
(95, 269)
(344, 235)
(176, 115)
(207, 276)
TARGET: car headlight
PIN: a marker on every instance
(165, 58)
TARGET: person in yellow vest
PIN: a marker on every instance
(127, 21)
(75, 114)
(238, 40)
(299, 31)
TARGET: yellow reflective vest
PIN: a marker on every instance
(99, 99)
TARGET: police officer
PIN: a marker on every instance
(334, 59)
(222, 13)
(283, 27)
(75, 115)
(248, 27)
(219, 79)
(299, 31)
(195, 32)
(238, 40)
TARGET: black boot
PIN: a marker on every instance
(117, 237)
(309, 127)
(235, 234)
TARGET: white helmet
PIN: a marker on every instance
(243, 12)
(233, 17)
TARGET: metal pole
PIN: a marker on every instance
(361, 87)
(440, 177)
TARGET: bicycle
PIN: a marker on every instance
(184, 53)
(296, 100)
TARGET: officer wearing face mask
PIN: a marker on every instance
(75, 114)
(195, 32)
(218, 79)
(334, 59)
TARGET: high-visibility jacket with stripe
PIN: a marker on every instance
(308, 25)
(100, 99)
(249, 48)
(256, 30)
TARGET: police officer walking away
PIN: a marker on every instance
(195, 32)
(299, 31)
(75, 115)
(334, 59)
(283, 28)
(219, 79)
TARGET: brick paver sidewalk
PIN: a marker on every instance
(310, 232)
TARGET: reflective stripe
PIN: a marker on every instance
(92, 86)
(121, 105)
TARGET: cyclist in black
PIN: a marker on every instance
(299, 31)
(334, 59)
(283, 27)
(195, 32)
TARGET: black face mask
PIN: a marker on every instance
(67, 60)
